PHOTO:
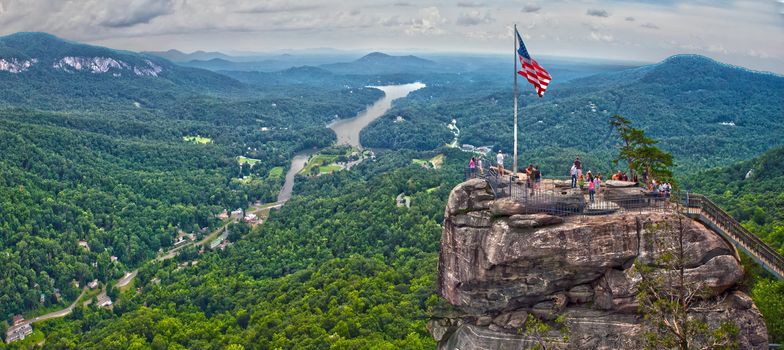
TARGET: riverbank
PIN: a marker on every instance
(347, 130)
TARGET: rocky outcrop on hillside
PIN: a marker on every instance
(501, 261)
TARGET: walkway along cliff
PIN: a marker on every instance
(507, 255)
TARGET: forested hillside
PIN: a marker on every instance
(710, 114)
(339, 265)
(101, 158)
(751, 191)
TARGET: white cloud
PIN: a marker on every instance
(136, 12)
(275, 6)
(597, 36)
(473, 18)
(597, 13)
(428, 22)
(531, 8)
(469, 4)
(649, 25)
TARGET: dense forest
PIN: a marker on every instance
(112, 160)
(106, 163)
(339, 265)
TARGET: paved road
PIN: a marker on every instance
(122, 282)
(55, 314)
(128, 277)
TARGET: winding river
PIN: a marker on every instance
(297, 163)
(347, 130)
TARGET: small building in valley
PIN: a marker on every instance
(84, 245)
(93, 284)
(251, 218)
(18, 332)
(104, 300)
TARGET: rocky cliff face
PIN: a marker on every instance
(501, 260)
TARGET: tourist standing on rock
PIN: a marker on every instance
(573, 172)
(591, 186)
(499, 159)
(479, 165)
(597, 183)
(529, 178)
(472, 168)
(579, 165)
(537, 178)
(581, 181)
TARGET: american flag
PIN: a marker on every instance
(531, 69)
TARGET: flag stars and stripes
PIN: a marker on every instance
(531, 70)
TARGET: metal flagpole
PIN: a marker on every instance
(514, 154)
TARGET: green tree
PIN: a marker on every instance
(667, 299)
(640, 151)
(767, 296)
(542, 332)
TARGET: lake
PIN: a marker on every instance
(348, 130)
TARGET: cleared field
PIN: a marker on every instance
(243, 160)
(197, 139)
(275, 172)
(319, 160)
(329, 168)
(435, 162)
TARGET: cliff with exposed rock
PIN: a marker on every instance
(502, 260)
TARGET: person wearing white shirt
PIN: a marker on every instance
(499, 159)
(574, 175)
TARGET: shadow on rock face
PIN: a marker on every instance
(502, 260)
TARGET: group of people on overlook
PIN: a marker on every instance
(578, 179)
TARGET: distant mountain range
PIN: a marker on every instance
(375, 63)
(380, 63)
(179, 56)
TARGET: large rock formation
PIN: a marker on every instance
(501, 260)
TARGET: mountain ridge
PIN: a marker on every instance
(46, 62)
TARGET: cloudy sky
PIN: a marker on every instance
(745, 33)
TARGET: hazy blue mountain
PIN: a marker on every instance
(179, 56)
(297, 75)
(219, 64)
(381, 63)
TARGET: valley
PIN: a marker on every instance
(106, 172)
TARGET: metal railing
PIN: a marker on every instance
(769, 258)
(555, 196)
